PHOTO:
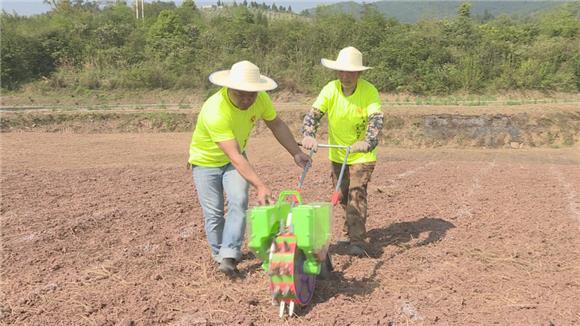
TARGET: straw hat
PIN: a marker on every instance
(349, 59)
(244, 76)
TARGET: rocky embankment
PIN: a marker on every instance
(417, 127)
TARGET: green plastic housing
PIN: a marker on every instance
(263, 226)
(311, 223)
(312, 226)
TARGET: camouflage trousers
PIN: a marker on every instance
(353, 198)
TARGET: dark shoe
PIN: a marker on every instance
(228, 266)
(355, 250)
(343, 241)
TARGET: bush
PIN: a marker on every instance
(84, 45)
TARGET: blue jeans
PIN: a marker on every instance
(225, 235)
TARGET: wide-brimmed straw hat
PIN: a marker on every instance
(349, 59)
(244, 76)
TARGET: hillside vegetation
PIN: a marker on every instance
(412, 11)
(80, 45)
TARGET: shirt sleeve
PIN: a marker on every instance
(374, 127)
(323, 101)
(218, 129)
(311, 122)
(268, 113)
(375, 102)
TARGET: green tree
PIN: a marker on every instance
(23, 57)
(167, 38)
(83, 44)
(562, 21)
(464, 10)
(189, 4)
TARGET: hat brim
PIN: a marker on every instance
(222, 78)
(331, 64)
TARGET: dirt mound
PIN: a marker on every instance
(97, 121)
(105, 229)
(497, 130)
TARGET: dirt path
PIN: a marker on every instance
(105, 229)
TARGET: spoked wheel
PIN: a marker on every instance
(289, 284)
(303, 283)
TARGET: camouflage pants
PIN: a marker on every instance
(353, 198)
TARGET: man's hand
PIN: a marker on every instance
(301, 159)
(360, 147)
(310, 143)
(265, 196)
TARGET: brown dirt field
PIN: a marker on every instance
(104, 229)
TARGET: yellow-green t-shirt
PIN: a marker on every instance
(348, 117)
(219, 120)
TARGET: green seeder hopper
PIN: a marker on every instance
(292, 239)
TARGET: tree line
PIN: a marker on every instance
(82, 44)
(256, 5)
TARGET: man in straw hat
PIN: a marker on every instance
(354, 119)
(217, 156)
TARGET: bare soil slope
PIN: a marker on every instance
(104, 229)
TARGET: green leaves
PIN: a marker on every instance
(178, 46)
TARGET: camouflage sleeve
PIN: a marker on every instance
(311, 122)
(374, 127)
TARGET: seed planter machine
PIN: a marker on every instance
(292, 238)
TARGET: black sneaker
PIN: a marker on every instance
(228, 266)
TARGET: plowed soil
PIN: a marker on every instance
(106, 230)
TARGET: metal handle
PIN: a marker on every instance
(326, 145)
(332, 146)
(306, 168)
(336, 194)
